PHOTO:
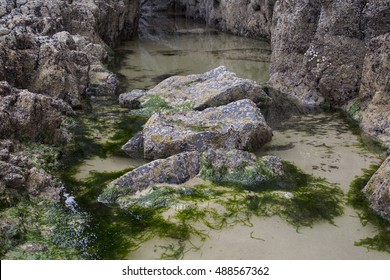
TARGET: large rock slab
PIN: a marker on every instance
(378, 190)
(231, 166)
(214, 88)
(174, 170)
(238, 125)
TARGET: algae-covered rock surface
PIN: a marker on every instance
(176, 169)
(235, 167)
(378, 190)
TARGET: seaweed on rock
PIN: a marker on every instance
(356, 198)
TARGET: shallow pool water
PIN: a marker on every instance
(320, 144)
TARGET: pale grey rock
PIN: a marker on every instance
(176, 169)
(238, 125)
(200, 91)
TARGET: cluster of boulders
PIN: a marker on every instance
(57, 48)
(222, 121)
(52, 55)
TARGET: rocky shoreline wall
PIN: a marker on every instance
(57, 48)
(52, 55)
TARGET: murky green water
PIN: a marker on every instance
(320, 144)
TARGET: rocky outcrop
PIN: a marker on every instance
(241, 17)
(337, 53)
(373, 103)
(314, 61)
(378, 190)
(312, 56)
(33, 117)
(229, 166)
(238, 125)
(200, 91)
(52, 54)
(20, 179)
(57, 47)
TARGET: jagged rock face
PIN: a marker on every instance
(312, 57)
(335, 52)
(57, 47)
(32, 117)
(374, 96)
(238, 125)
(241, 17)
(378, 190)
(214, 88)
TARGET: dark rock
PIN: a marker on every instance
(135, 147)
(132, 100)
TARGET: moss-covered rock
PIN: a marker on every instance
(239, 168)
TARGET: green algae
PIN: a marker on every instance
(155, 103)
(43, 156)
(110, 226)
(302, 200)
(357, 199)
(44, 230)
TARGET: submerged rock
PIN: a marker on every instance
(214, 88)
(378, 190)
(238, 125)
